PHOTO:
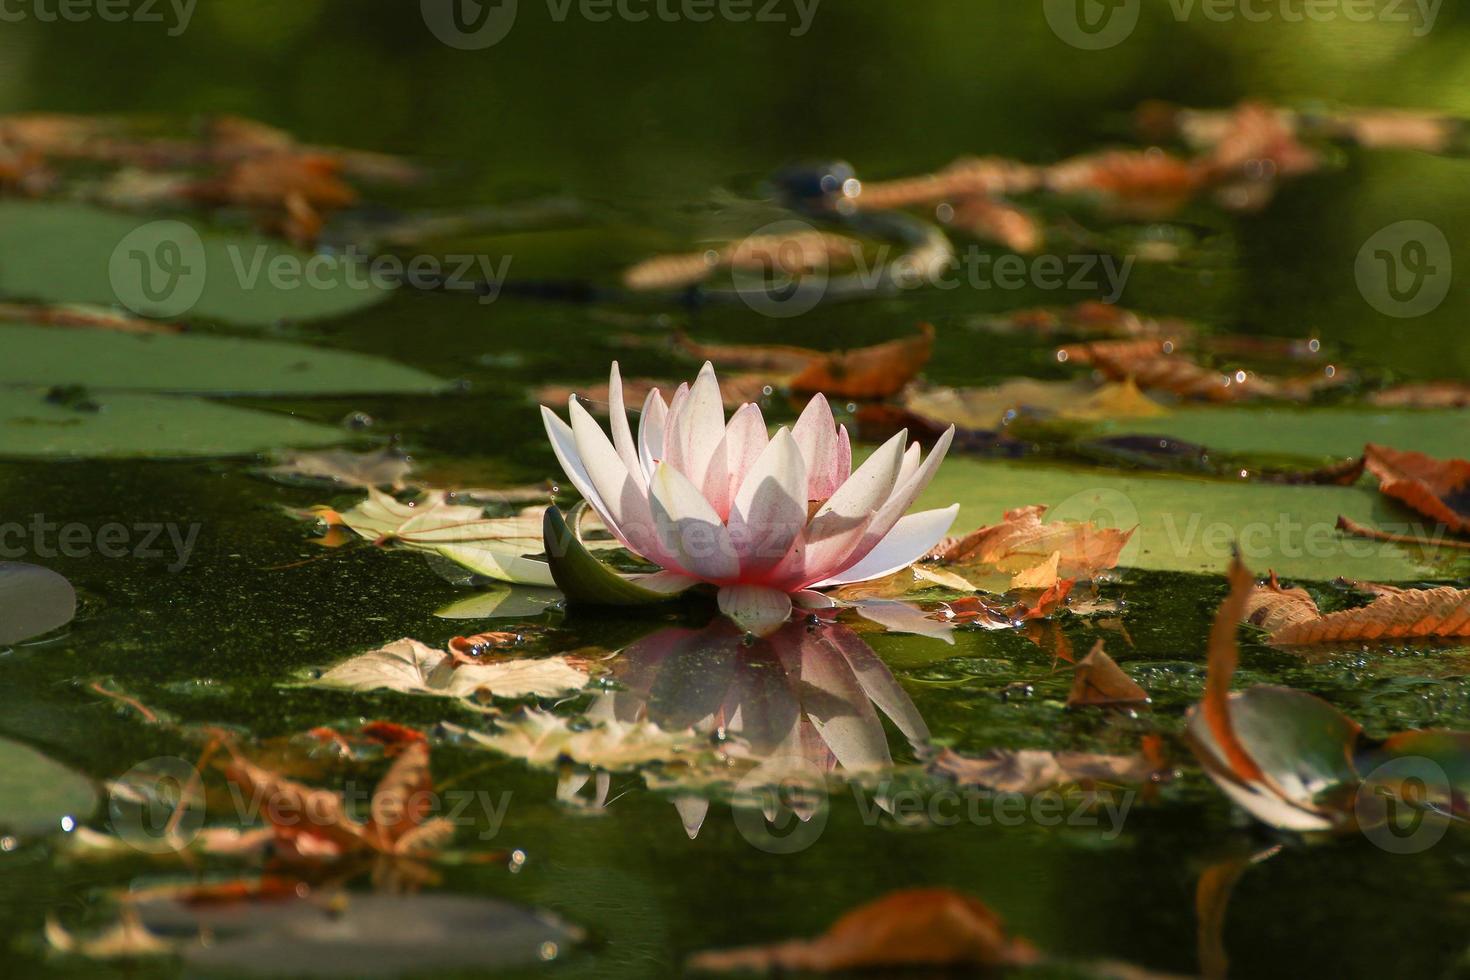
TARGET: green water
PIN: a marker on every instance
(660, 134)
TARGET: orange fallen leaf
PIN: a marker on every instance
(1437, 488)
(1424, 394)
(1098, 681)
(1224, 654)
(1292, 618)
(927, 927)
(800, 253)
(864, 372)
(1138, 183)
(994, 220)
(1021, 541)
(1349, 526)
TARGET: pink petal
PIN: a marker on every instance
(651, 432)
(689, 529)
(673, 447)
(908, 541)
(839, 526)
(816, 433)
(903, 498)
(745, 440)
(701, 425)
(770, 509)
(844, 456)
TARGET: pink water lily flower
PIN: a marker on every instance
(766, 518)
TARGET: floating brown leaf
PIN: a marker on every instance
(1437, 488)
(800, 253)
(1098, 681)
(1157, 368)
(1137, 183)
(923, 927)
(1349, 526)
(1021, 541)
(991, 220)
(1292, 618)
(1425, 394)
(81, 315)
(1094, 318)
(864, 372)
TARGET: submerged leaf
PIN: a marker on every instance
(929, 927)
(1098, 680)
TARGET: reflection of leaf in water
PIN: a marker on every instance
(411, 667)
(33, 601)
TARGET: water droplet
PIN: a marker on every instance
(548, 951)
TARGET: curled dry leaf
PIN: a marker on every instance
(1029, 771)
(991, 614)
(1022, 541)
(796, 254)
(919, 927)
(863, 372)
(1134, 183)
(1152, 365)
(1292, 618)
(990, 219)
(1098, 681)
(411, 667)
(1093, 318)
(1349, 526)
(1427, 394)
(1437, 488)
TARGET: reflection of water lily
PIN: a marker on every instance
(765, 518)
(798, 704)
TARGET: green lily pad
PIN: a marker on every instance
(1188, 524)
(1314, 432)
(33, 600)
(196, 363)
(584, 579)
(73, 253)
(122, 424)
(38, 794)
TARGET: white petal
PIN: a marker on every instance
(618, 422)
(689, 529)
(651, 432)
(701, 425)
(909, 540)
(816, 433)
(770, 509)
(841, 523)
(625, 505)
(745, 440)
(904, 495)
(564, 445)
(673, 445)
(755, 608)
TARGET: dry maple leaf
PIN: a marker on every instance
(1021, 541)
(930, 927)
(1437, 488)
(1292, 618)
(1098, 681)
